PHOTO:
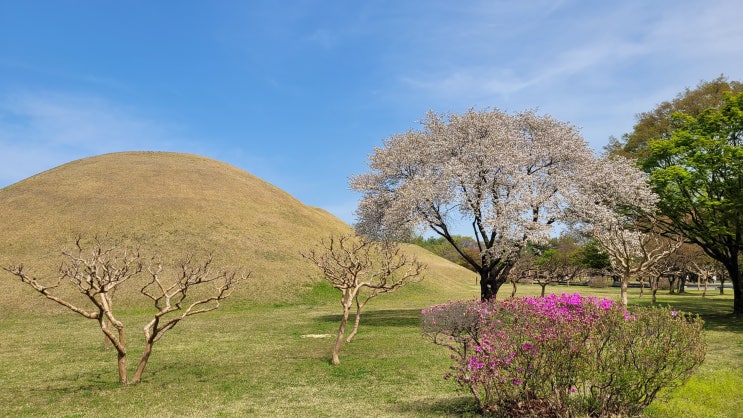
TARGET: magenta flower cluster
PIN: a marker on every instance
(565, 351)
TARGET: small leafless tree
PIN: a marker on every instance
(705, 268)
(361, 269)
(523, 268)
(665, 267)
(98, 272)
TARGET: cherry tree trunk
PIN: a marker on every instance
(623, 291)
(491, 280)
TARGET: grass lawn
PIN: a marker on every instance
(252, 359)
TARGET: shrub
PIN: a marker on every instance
(599, 282)
(565, 355)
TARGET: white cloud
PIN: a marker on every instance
(594, 64)
(544, 49)
(40, 130)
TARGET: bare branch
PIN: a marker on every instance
(99, 271)
(353, 263)
(19, 272)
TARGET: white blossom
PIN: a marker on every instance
(511, 176)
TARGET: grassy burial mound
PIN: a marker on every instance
(172, 205)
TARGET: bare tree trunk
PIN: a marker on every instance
(642, 288)
(722, 284)
(339, 340)
(654, 289)
(346, 302)
(513, 292)
(120, 352)
(106, 341)
(706, 281)
(142, 362)
(544, 285)
(359, 307)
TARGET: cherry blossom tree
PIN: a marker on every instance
(632, 251)
(509, 176)
(617, 208)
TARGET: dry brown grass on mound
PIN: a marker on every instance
(170, 205)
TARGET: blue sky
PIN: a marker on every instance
(300, 92)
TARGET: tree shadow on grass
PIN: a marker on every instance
(722, 322)
(383, 318)
(459, 406)
(715, 312)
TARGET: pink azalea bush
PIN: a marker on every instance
(565, 355)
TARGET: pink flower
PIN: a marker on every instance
(476, 364)
(605, 304)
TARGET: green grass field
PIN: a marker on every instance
(250, 359)
(256, 356)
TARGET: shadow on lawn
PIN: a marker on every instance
(720, 321)
(461, 406)
(383, 318)
(714, 310)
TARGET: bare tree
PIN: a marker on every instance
(706, 268)
(98, 272)
(666, 267)
(558, 262)
(361, 269)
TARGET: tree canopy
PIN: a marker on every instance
(659, 123)
(698, 174)
(510, 176)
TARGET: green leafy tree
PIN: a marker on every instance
(441, 247)
(557, 261)
(592, 256)
(659, 123)
(698, 175)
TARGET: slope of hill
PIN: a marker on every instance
(171, 205)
